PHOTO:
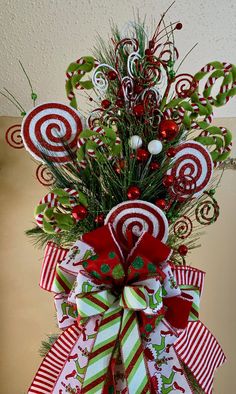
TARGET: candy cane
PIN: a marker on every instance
(90, 141)
(219, 139)
(75, 77)
(227, 88)
(201, 104)
(53, 213)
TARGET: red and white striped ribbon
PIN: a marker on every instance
(52, 255)
(53, 363)
(189, 275)
(201, 352)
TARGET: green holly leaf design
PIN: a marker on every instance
(138, 263)
(151, 267)
(118, 272)
(105, 268)
(94, 257)
(96, 274)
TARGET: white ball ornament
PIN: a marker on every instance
(155, 147)
(135, 142)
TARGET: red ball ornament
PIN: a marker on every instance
(171, 152)
(105, 104)
(161, 203)
(79, 212)
(168, 129)
(138, 110)
(183, 250)
(99, 219)
(112, 75)
(154, 166)
(142, 154)
(133, 192)
(168, 180)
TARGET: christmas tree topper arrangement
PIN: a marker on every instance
(133, 186)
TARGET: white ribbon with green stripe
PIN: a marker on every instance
(119, 323)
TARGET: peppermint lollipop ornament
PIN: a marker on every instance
(138, 217)
(191, 169)
(49, 132)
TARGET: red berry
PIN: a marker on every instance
(151, 44)
(171, 152)
(133, 192)
(79, 212)
(112, 75)
(138, 110)
(161, 203)
(121, 163)
(105, 104)
(120, 93)
(179, 26)
(148, 52)
(168, 180)
(183, 250)
(99, 219)
(154, 166)
(119, 103)
(119, 166)
(168, 129)
(142, 154)
(138, 89)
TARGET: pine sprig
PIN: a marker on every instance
(47, 344)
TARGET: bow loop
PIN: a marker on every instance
(153, 295)
(94, 303)
(133, 297)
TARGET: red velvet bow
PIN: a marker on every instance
(110, 267)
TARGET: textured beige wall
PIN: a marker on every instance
(48, 34)
(28, 312)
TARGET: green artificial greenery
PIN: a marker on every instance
(47, 344)
(101, 182)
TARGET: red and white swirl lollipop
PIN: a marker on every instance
(138, 217)
(50, 130)
(192, 169)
